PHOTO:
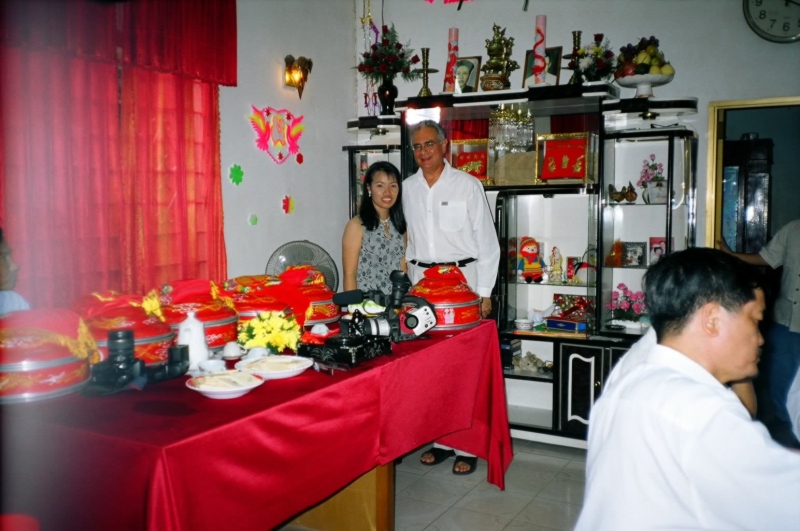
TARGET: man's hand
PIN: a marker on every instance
(486, 307)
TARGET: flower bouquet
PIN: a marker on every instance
(627, 308)
(594, 62)
(272, 330)
(387, 58)
(652, 173)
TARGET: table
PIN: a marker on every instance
(169, 458)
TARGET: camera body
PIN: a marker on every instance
(363, 338)
(405, 317)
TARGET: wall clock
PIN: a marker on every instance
(774, 20)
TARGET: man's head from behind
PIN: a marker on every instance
(710, 302)
(8, 269)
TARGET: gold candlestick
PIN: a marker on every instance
(425, 70)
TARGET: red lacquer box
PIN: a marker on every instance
(249, 305)
(219, 320)
(31, 370)
(151, 337)
(457, 306)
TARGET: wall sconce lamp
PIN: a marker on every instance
(296, 72)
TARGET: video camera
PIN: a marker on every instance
(404, 317)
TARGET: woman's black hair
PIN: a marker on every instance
(367, 212)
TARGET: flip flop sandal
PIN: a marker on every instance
(439, 455)
(471, 461)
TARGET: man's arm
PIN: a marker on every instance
(751, 258)
(488, 248)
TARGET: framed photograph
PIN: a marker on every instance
(468, 72)
(633, 254)
(552, 57)
(470, 156)
(562, 158)
(657, 249)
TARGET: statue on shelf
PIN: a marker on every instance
(556, 266)
(500, 65)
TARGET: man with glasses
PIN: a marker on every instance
(448, 223)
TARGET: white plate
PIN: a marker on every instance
(275, 375)
(224, 394)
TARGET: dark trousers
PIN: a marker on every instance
(779, 364)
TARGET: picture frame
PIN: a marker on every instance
(553, 73)
(471, 156)
(656, 249)
(473, 74)
(633, 254)
(563, 158)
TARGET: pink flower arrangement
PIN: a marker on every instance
(626, 305)
(652, 172)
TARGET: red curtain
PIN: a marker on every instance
(60, 158)
(171, 222)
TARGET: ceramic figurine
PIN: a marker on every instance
(556, 266)
(531, 264)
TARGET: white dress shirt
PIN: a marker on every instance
(451, 221)
(671, 448)
(11, 301)
(784, 250)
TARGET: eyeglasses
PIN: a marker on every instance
(427, 146)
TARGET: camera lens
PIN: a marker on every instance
(378, 327)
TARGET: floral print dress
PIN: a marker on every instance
(380, 255)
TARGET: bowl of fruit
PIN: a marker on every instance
(643, 67)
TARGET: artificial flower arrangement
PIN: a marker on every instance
(595, 61)
(388, 58)
(626, 305)
(652, 172)
(273, 330)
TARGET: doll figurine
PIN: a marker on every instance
(531, 263)
(556, 266)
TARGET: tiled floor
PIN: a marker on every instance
(544, 492)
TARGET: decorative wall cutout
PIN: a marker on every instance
(236, 174)
(278, 132)
(252, 219)
(287, 204)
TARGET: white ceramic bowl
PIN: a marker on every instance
(523, 324)
(275, 375)
(644, 83)
(224, 394)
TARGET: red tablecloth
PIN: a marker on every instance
(168, 458)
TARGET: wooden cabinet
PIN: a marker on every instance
(579, 373)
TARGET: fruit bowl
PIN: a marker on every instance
(644, 83)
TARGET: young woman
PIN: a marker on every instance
(374, 241)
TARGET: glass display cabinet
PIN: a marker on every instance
(648, 210)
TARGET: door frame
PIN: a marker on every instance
(716, 133)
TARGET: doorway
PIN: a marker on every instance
(775, 119)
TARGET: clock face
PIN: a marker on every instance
(774, 20)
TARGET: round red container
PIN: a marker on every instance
(151, 337)
(219, 321)
(32, 370)
(457, 306)
(322, 309)
(249, 305)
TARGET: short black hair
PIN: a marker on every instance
(367, 212)
(681, 283)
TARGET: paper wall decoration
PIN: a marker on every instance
(539, 63)
(287, 204)
(252, 219)
(278, 132)
(236, 174)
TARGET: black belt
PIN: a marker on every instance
(460, 263)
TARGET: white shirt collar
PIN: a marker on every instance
(669, 357)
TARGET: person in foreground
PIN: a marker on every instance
(10, 300)
(374, 242)
(670, 445)
(449, 223)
